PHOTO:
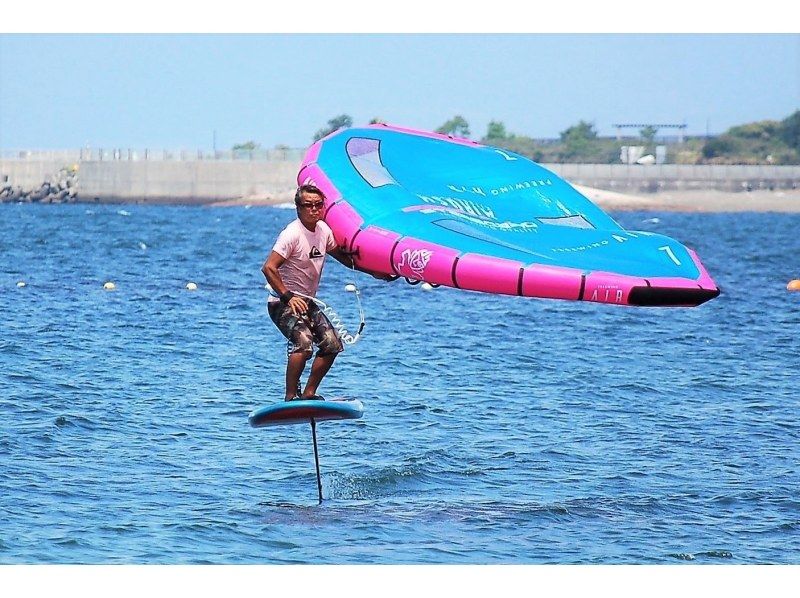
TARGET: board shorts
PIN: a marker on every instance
(302, 332)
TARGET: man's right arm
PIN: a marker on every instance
(347, 259)
(270, 269)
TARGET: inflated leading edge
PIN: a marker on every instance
(454, 212)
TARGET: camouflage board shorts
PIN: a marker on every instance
(312, 328)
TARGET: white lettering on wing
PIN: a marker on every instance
(612, 294)
(464, 205)
(516, 186)
(595, 245)
(507, 188)
(465, 189)
(415, 259)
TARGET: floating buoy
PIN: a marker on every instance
(109, 286)
(191, 286)
(794, 285)
(350, 288)
(22, 283)
(426, 286)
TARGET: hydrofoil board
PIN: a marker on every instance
(306, 411)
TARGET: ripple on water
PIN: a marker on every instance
(497, 429)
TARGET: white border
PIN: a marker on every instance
(353, 581)
(405, 16)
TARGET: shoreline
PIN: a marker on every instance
(783, 201)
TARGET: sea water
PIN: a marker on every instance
(496, 429)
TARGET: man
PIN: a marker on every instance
(293, 269)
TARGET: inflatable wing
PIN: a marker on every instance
(453, 212)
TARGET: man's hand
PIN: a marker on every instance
(347, 258)
(298, 305)
(382, 276)
(343, 256)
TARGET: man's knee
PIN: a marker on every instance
(301, 342)
(330, 344)
(305, 354)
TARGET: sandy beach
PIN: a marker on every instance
(710, 200)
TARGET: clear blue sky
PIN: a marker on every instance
(174, 91)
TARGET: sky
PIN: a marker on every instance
(200, 91)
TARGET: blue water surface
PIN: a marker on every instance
(496, 429)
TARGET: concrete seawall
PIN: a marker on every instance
(208, 181)
(640, 179)
(187, 182)
(163, 181)
(29, 173)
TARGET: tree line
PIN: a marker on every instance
(761, 142)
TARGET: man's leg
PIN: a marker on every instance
(294, 369)
(299, 345)
(329, 345)
(319, 367)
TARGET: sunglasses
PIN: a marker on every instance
(312, 205)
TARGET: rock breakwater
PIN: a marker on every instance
(60, 188)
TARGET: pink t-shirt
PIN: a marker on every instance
(305, 253)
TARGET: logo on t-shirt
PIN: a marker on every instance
(314, 253)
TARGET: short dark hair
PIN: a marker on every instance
(313, 189)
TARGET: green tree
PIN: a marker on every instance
(648, 134)
(790, 131)
(455, 126)
(583, 131)
(247, 146)
(377, 121)
(334, 124)
(496, 131)
(578, 140)
(719, 146)
(764, 130)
